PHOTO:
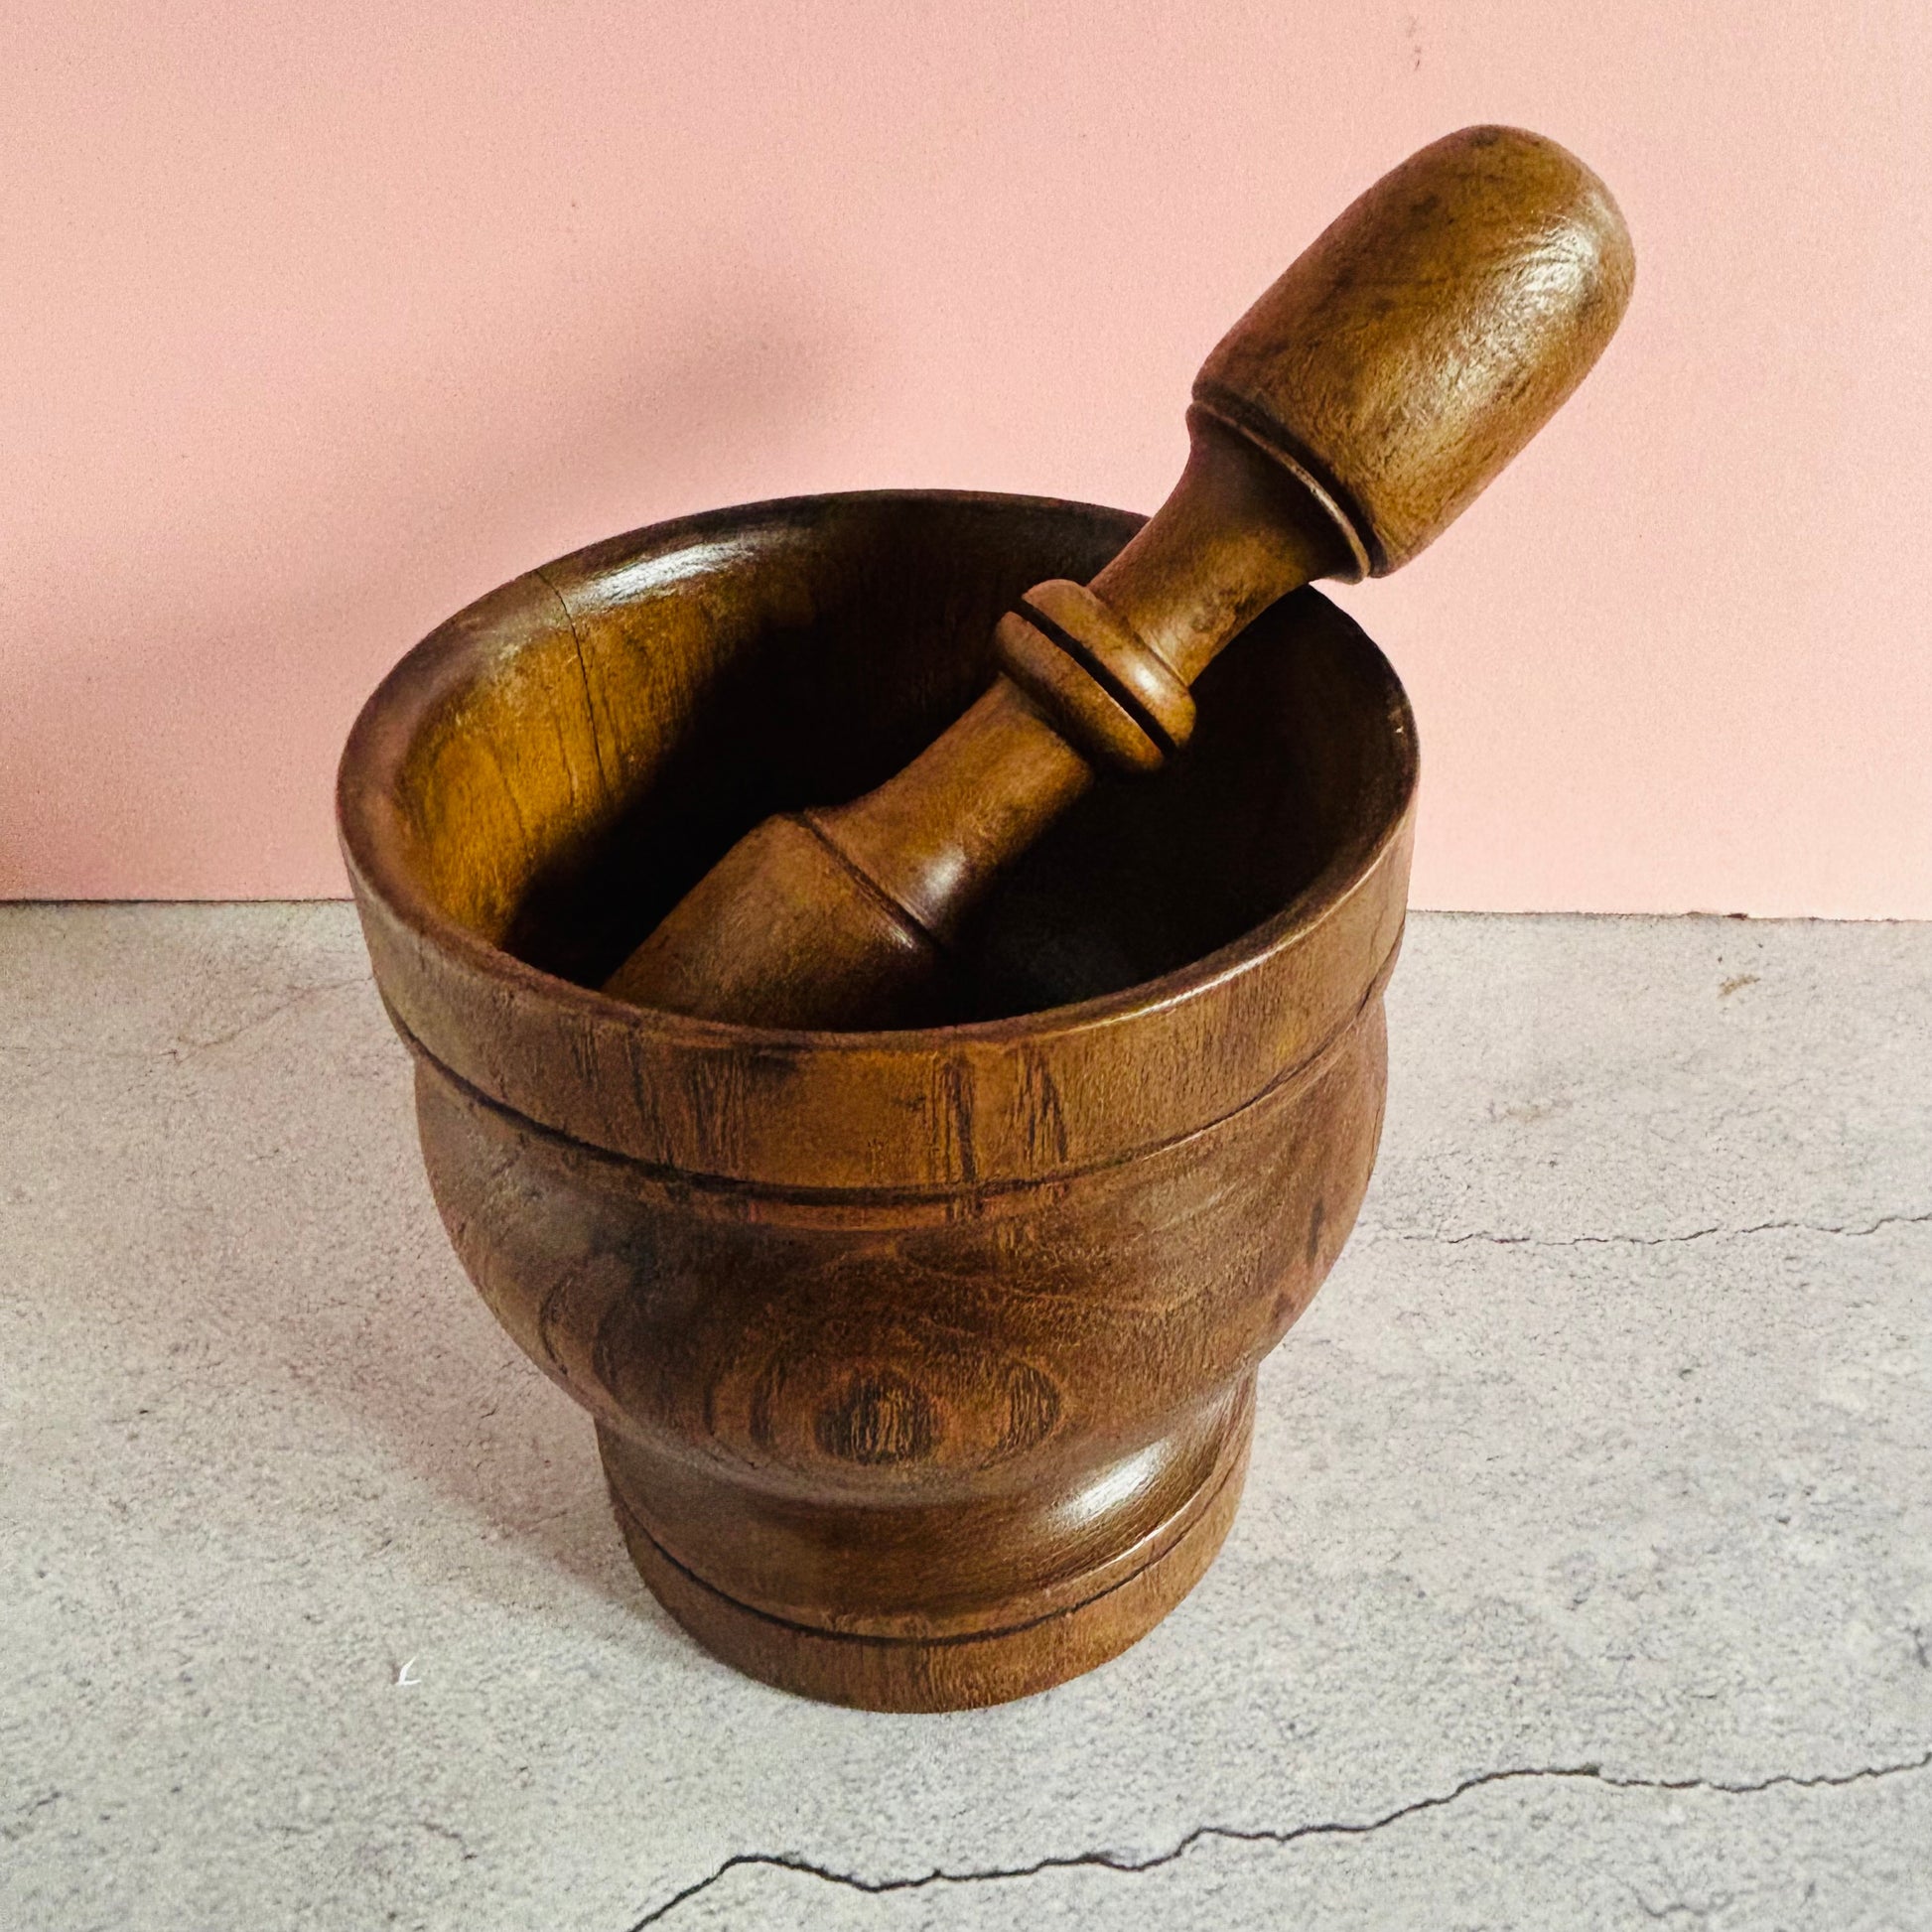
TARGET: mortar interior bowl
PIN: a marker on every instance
(922, 1362)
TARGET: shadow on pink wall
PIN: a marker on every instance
(194, 714)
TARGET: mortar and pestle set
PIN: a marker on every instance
(913, 1206)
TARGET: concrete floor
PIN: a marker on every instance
(1585, 1575)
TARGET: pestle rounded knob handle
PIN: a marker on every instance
(1343, 422)
(1362, 403)
(1428, 333)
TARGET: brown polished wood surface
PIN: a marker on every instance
(1350, 416)
(922, 1361)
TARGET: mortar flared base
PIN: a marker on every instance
(994, 1665)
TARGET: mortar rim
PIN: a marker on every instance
(374, 860)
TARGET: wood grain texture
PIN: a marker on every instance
(1348, 417)
(920, 1359)
(1429, 333)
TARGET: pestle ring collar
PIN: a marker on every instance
(1115, 699)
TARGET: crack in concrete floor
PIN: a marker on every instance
(1294, 1835)
(1643, 1240)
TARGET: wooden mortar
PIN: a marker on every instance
(923, 1362)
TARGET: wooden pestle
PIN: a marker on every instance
(1341, 425)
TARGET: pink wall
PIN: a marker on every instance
(319, 320)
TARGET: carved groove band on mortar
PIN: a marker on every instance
(1305, 1070)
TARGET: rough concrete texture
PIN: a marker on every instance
(1585, 1575)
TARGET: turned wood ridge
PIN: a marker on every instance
(1341, 425)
